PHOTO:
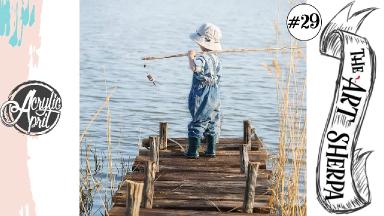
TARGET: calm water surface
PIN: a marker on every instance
(116, 34)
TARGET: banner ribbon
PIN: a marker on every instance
(341, 180)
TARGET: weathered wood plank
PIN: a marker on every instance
(227, 160)
(196, 167)
(198, 185)
(232, 146)
(222, 141)
(194, 195)
(118, 211)
(203, 163)
(215, 190)
(180, 168)
(261, 155)
(206, 176)
(207, 205)
(176, 195)
(121, 195)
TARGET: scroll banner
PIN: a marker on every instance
(341, 180)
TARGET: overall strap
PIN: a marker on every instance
(213, 67)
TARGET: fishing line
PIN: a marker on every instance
(170, 139)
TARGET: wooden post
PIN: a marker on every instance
(250, 187)
(135, 192)
(149, 184)
(163, 135)
(247, 133)
(244, 158)
(154, 150)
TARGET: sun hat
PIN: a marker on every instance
(208, 36)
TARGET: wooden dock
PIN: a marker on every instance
(233, 183)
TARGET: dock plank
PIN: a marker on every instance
(216, 188)
(202, 176)
(221, 141)
(180, 168)
(207, 205)
(201, 163)
(120, 197)
(260, 154)
(118, 211)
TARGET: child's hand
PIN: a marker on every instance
(191, 54)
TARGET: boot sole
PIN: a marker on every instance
(191, 157)
(210, 156)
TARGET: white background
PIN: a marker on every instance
(54, 157)
(321, 77)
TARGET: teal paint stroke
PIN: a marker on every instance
(25, 14)
(14, 40)
(32, 18)
(25, 17)
(5, 17)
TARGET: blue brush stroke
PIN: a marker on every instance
(26, 19)
(25, 14)
(32, 18)
(14, 39)
(5, 17)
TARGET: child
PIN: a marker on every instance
(204, 97)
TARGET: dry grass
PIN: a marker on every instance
(96, 163)
(289, 163)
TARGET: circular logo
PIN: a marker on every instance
(33, 108)
(304, 22)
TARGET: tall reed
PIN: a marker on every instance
(289, 163)
(95, 164)
(289, 168)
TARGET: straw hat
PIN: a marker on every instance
(208, 36)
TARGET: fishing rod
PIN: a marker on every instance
(152, 79)
(233, 50)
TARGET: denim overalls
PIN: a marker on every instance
(204, 97)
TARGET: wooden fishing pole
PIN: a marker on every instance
(146, 58)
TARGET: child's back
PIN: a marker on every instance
(204, 97)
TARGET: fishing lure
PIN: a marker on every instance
(151, 78)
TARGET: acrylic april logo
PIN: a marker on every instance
(33, 108)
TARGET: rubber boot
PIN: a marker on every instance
(193, 148)
(211, 146)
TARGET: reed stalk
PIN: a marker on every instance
(92, 185)
(289, 163)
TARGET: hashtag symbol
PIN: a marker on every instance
(293, 22)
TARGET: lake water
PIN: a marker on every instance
(116, 34)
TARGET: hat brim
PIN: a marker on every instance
(208, 45)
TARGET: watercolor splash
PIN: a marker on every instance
(19, 42)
